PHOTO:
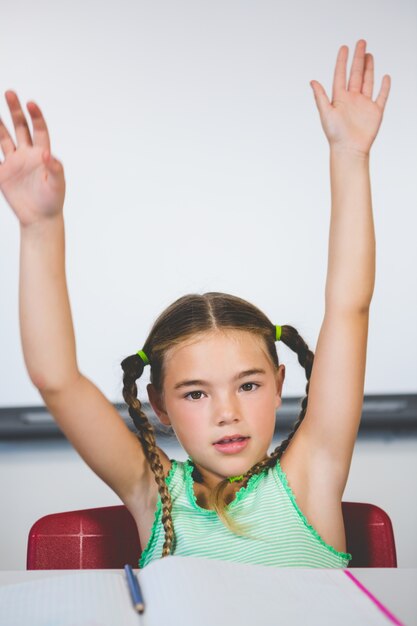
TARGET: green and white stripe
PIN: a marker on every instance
(280, 535)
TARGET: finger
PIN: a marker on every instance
(384, 91)
(368, 78)
(320, 95)
(40, 129)
(358, 64)
(339, 78)
(6, 142)
(19, 121)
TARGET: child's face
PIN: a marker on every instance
(221, 405)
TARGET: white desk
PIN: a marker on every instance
(396, 588)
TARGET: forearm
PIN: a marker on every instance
(46, 327)
(351, 260)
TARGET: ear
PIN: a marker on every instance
(156, 403)
(279, 380)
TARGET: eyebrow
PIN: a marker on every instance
(192, 383)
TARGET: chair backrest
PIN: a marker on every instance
(369, 535)
(102, 538)
(107, 538)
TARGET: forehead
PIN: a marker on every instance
(235, 347)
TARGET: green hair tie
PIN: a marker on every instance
(233, 478)
(143, 357)
(278, 330)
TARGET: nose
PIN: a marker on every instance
(227, 410)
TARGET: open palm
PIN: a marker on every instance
(31, 180)
(352, 119)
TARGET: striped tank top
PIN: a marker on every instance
(276, 531)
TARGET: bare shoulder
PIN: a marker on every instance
(311, 479)
(165, 461)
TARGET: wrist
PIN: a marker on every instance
(346, 152)
(42, 224)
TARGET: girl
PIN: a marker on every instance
(215, 375)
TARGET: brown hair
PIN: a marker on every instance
(190, 315)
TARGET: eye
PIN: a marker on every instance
(191, 393)
(250, 384)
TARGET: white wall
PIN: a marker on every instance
(49, 477)
(195, 161)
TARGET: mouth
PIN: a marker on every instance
(231, 438)
(231, 445)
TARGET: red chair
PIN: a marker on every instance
(107, 538)
(103, 538)
(369, 535)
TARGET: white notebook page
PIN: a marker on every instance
(83, 598)
(238, 593)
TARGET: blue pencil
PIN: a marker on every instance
(135, 591)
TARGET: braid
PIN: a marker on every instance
(133, 368)
(293, 340)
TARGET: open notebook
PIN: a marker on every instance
(185, 591)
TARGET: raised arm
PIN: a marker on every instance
(351, 122)
(33, 184)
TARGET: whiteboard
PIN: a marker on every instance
(195, 161)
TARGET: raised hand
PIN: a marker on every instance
(352, 119)
(31, 179)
